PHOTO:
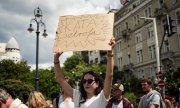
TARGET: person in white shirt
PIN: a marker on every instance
(6, 101)
(63, 100)
(92, 93)
(152, 98)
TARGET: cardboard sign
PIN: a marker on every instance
(84, 32)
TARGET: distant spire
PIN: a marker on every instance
(12, 43)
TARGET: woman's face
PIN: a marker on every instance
(89, 84)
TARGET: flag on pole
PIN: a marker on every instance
(123, 1)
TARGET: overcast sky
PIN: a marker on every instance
(15, 16)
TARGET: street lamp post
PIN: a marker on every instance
(157, 52)
(38, 20)
(156, 42)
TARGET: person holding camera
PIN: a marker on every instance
(118, 100)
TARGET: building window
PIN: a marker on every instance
(135, 21)
(178, 17)
(138, 37)
(141, 73)
(116, 32)
(119, 46)
(91, 53)
(139, 56)
(96, 60)
(138, 20)
(148, 12)
(166, 46)
(119, 62)
(126, 25)
(151, 71)
(152, 52)
(129, 58)
(161, 2)
(150, 31)
(91, 62)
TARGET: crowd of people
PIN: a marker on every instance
(93, 92)
(151, 99)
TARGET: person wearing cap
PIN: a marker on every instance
(117, 99)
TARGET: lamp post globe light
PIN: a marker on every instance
(38, 20)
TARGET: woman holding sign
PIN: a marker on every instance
(92, 93)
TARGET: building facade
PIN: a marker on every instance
(98, 57)
(135, 50)
(10, 50)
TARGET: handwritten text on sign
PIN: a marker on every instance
(84, 32)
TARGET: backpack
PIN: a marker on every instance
(162, 103)
(126, 103)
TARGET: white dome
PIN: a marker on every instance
(12, 43)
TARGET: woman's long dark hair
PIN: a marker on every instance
(98, 79)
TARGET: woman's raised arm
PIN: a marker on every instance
(60, 76)
(109, 70)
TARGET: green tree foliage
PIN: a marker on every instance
(19, 81)
(13, 78)
(10, 70)
(173, 82)
(72, 61)
(47, 83)
(16, 88)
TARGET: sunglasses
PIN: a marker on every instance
(88, 81)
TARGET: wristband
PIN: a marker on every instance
(110, 55)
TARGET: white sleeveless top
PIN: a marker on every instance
(62, 104)
(98, 101)
(120, 105)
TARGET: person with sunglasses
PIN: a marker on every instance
(6, 101)
(92, 93)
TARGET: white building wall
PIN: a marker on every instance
(10, 51)
(94, 56)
